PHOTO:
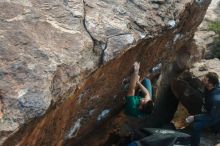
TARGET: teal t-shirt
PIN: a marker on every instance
(132, 106)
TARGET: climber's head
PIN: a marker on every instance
(210, 80)
(146, 106)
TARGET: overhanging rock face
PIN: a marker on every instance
(65, 64)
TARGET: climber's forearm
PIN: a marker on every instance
(144, 90)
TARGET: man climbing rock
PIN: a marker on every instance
(138, 105)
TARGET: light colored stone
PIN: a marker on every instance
(205, 39)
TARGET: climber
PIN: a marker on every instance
(138, 105)
(212, 105)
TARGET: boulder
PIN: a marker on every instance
(64, 65)
(188, 88)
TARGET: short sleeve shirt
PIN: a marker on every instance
(132, 106)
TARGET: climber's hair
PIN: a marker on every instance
(148, 108)
(212, 78)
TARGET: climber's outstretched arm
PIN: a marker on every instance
(134, 79)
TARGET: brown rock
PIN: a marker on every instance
(53, 52)
(188, 87)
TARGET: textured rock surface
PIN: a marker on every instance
(204, 66)
(188, 87)
(49, 51)
(36, 37)
(205, 39)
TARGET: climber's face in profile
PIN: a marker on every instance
(205, 81)
(143, 101)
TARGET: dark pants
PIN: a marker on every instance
(201, 121)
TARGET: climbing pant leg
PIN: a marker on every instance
(201, 121)
(147, 84)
